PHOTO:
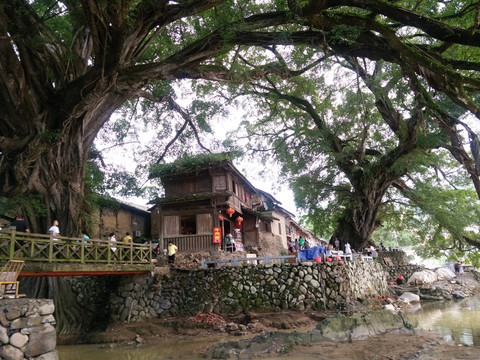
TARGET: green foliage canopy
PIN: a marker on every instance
(68, 65)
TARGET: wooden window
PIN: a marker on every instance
(220, 183)
(202, 184)
(204, 224)
(188, 186)
(280, 228)
(170, 225)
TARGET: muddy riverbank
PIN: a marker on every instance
(204, 330)
(181, 339)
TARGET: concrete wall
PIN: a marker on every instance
(270, 244)
(236, 289)
(26, 329)
(120, 221)
(278, 228)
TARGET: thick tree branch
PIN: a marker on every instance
(435, 28)
(177, 108)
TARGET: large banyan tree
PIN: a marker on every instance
(66, 66)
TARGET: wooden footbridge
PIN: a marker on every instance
(45, 255)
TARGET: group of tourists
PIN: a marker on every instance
(335, 246)
(298, 244)
(20, 225)
(127, 239)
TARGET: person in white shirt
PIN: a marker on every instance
(54, 229)
(348, 250)
(113, 241)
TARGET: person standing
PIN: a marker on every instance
(290, 245)
(113, 242)
(348, 250)
(296, 245)
(20, 224)
(128, 238)
(171, 251)
(337, 244)
(301, 242)
(54, 229)
(85, 237)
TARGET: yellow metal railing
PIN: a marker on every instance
(61, 249)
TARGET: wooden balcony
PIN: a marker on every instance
(191, 243)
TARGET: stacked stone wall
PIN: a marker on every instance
(136, 299)
(93, 293)
(404, 270)
(26, 329)
(398, 257)
(236, 289)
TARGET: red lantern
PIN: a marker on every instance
(230, 211)
(239, 221)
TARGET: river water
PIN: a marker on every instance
(166, 350)
(455, 320)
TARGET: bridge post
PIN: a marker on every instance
(82, 252)
(108, 251)
(131, 252)
(50, 248)
(12, 242)
(151, 252)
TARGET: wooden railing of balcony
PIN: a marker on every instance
(62, 249)
(186, 243)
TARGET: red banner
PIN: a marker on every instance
(217, 235)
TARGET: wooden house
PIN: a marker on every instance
(211, 195)
(120, 217)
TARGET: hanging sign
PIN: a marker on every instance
(217, 235)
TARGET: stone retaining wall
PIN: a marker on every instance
(26, 329)
(405, 270)
(93, 293)
(398, 257)
(237, 289)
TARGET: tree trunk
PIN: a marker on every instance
(49, 169)
(359, 221)
(55, 172)
(71, 317)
